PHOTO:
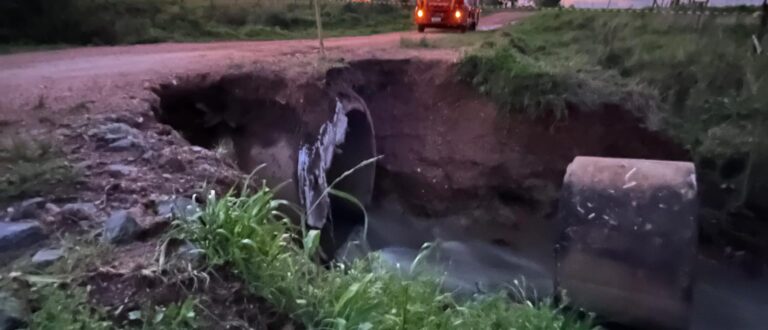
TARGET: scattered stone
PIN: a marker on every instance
(114, 132)
(173, 164)
(79, 212)
(19, 235)
(28, 209)
(120, 228)
(177, 207)
(119, 170)
(12, 312)
(189, 252)
(52, 208)
(126, 144)
(126, 118)
(47, 257)
(149, 155)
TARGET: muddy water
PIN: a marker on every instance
(472, 260)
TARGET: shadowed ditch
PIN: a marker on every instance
(453, 171)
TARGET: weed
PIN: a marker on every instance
(250, 234)
(181, 316)
(60, 309)
(32, 167)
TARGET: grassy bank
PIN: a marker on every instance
(695, 78)
(86, 22)
(698, 72)
(250, 236)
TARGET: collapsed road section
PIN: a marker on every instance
(447, 154)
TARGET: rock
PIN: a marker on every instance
(28, 209)
(52, 208)
(125, 144)
(120, 228)
(126, 118)
(173, 164)
(79, 212)
(12, 312)
(177, 207)
(47, 257)
(119, 170)
(114, 132)
(149, 155)
(189, 252)
(19, 235)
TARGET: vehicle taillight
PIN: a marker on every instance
(458, 13)
(420, 13)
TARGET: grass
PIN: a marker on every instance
(250, 235)
(31, 167)
(695, 78)
(694, 73)
(61, 308)
(85, 22)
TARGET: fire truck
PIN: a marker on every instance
(453, 14)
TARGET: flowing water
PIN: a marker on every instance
(725, 297)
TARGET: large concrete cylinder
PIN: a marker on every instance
(628, 240)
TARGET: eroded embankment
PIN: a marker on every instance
(446, 150)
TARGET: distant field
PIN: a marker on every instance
(87, 22)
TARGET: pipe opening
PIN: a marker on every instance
(358, 147)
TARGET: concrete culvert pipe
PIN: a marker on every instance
(628, 240)
(307, 137)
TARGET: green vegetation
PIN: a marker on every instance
(30, 167)
(696, 78)
(66, 309)
(89, 22)
(251, 236)
(60, 308)
(688, 74)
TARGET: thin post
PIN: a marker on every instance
(319, 28)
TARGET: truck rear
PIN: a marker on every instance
(457, 14)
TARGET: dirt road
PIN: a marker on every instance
(97, 79)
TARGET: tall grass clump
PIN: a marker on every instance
(250, 235)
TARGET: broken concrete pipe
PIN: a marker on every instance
(306, 137)
(628, 236)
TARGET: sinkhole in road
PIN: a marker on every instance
(453, 168)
